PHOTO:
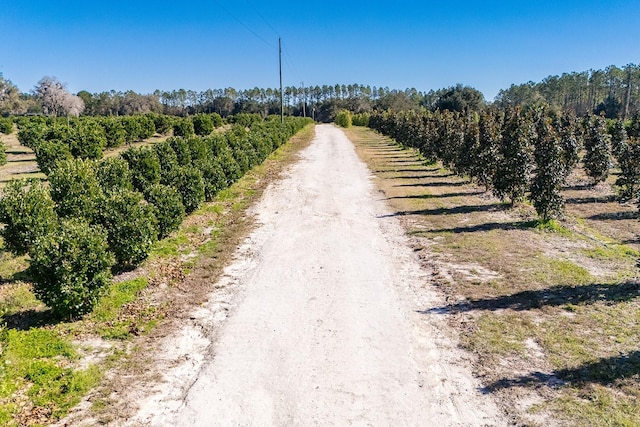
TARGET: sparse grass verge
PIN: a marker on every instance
(48, 365)
(551, 310)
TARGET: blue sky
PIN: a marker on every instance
(146, 45)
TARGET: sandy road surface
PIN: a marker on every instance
(326, 329)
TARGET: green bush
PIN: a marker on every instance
(113, 174)
(114, 132)
(361, 119)
(213, 177)
(88, 140)
(49, 153)
(6, 125)
(132, 128)
(28, 213)
(147, 127)
(75, 189)
(163, 123)
(245, 119)
(189, 183)
(344, 118)
(183, 127)
(182, 150)
(597, 157)
(202, 124)
(3, 154)
(131, 226)
(169, 209)
(31, 134)
(144, 165)
(168, 161)
(70, 267)
(217, 120)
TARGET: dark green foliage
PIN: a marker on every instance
(183, 127)
(202, 124)
(6, 125)
(75, 189)
(628, 181)
(567, 127)
(489, 143)
(549, 175)
(217, 120)
(597, 158)
(515, 157)
(189, 183)
(461, 99)
(618, 138)
(31, 134)
(199, 149)
(114, 174)
(168, 161)
(132, 128)
(87, 140)
(147, 126)
(182, 150)
(466, 163)
(213, 177)
(144, 165)
(49, 153)
(229, 165)
(245, 120)
(131, 226)
(169, 209)
(114, 132)
(163, 123)
(3, 154)
(28, 213)
(70, 267)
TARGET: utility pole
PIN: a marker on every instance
(281, 92)
(304, 103)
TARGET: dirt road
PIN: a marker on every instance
(326, 329)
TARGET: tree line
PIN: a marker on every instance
(614, 91)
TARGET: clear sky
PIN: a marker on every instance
(141, 45)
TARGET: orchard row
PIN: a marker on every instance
(518, 153)
(97, 216)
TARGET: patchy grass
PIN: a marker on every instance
(47, 366)
(551, 310)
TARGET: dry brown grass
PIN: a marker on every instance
(552, 313)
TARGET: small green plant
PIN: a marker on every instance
(6, 125)
(184, 127)
(202, 124)
(70, 267)
(28, 214)
(169, 209)
(49, 153)
(131, 225)
(3, 154)
(344, 118)
(75, 188)
(144, 165)
(190, 185)
(113, 173)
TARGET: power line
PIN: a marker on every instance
(244, 25)
(255, 9)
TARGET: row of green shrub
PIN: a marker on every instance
(100, 216)
(519, 153)
(54, 139)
